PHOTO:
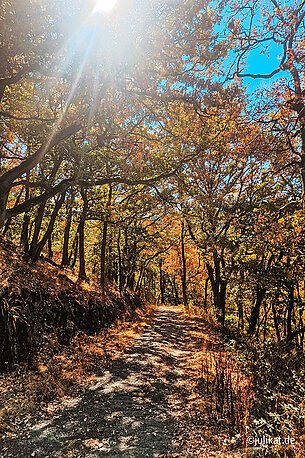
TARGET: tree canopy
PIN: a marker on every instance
(134, 149)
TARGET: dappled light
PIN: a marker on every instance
(152, 227)
(135, 406)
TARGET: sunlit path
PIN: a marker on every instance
(138, 408)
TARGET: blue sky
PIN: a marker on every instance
(262, 64)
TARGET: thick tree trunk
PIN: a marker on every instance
(298, 106)
(130, 280)
(9, 220)
(139, 282)
(219, 288)
(302, 166)
(38, 222)
(222, 299)
(24, 238)
(8, 178)
(40, 246)
(74, 250)
(260, 294)
(3, 202)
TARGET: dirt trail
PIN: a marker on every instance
(138, 408)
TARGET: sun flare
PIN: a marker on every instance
(104, 5)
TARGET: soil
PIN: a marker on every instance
(141, 406)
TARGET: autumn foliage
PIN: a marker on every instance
(139, 153)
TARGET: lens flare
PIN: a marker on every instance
(104, 5)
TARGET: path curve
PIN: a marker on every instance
(138, 408)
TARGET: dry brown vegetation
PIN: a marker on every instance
(62, 371)
(222, 386)
(56, 367)
(232, 397)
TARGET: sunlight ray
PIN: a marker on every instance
(73, 88)
(104, 5)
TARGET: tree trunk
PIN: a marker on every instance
(222, 299)
(110, 270)
(120, 267)
(8, 178)
(38, 222)
(50, 251)
(183, 276)
(219, 288)
(3, 202)
(140, 277)
(132, 265)
(205, 301)
(104, 241)
(2, 90)
(65, 248)
(24, 238)
(125, 258)
(103, 254)
(290, 310)
(161, 282)
(74, 250)
(275, 318)
(175, 291)
(81, 231)
(40, 246)
(9, 220)
(260, 294)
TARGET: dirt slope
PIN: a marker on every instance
(37, 300)
(140, 406)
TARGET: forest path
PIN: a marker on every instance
(140, 407)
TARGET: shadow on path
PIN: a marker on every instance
(129, 411)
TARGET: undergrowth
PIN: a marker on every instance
(249, 389)
(277, 371)
(61, 371)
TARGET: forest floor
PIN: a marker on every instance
(144, 404)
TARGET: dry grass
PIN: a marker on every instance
(216, 379)
(221, 396)
(59, 372)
